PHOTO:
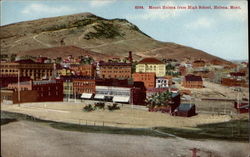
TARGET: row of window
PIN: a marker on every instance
(116, 71)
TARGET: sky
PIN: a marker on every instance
(220, 32)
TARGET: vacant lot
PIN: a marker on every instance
(24, 138)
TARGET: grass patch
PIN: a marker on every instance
(107, 130)
(7, 120)
(236, 130)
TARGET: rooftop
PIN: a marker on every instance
(150, 61)
(185, 107)
(191, 77)
(114, 64)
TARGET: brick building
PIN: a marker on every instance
(151, 65)
(192, 81)
(83, 85)
(84, 70)
(47, 90)
(27, 68)
(148, 78)
(114, 70)
(10, 96)
(8, 79)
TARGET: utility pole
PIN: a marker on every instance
(18, 90)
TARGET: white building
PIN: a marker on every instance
(115, 94)
(162, 82)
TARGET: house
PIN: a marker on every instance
(234, 79)
(204, 73)
(152, 65)
(198, 63)
(192, 81)
(148, 78)
(185, 110)
(182, 70)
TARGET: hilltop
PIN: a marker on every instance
(108, 37)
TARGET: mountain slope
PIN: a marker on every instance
(92, 33)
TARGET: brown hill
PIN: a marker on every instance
(113, 37)
(64, 51)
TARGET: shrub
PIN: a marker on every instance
(88, 108)
(113, 107)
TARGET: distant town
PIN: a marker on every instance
(166, 85)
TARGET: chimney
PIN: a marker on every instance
(130, 58)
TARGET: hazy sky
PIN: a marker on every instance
(219, 32)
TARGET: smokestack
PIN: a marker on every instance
(130, 58)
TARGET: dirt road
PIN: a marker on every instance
(29, 139)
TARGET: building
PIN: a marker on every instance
(83, 85)
(182, 70)
(64, 71)
(114, 70)
(185, 110)
(231, 82)
(27, 68)
(198, 63)
(10, 96)
(47, 90)
(120, 91)
(151, 65)
(242, 106)
(163, 82)
(204, 73)
(5, 80)
(192, 81)
(234, 79)
(84, 70)
(148, 78)
(67, 86)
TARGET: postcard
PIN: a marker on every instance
(124, 78)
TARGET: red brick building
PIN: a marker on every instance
(148, 78)
(115, 70)
(192, 81)
(83, 85)
(8, 79)
(84, 70)
(47, 90)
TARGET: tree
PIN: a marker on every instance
(159, 99)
